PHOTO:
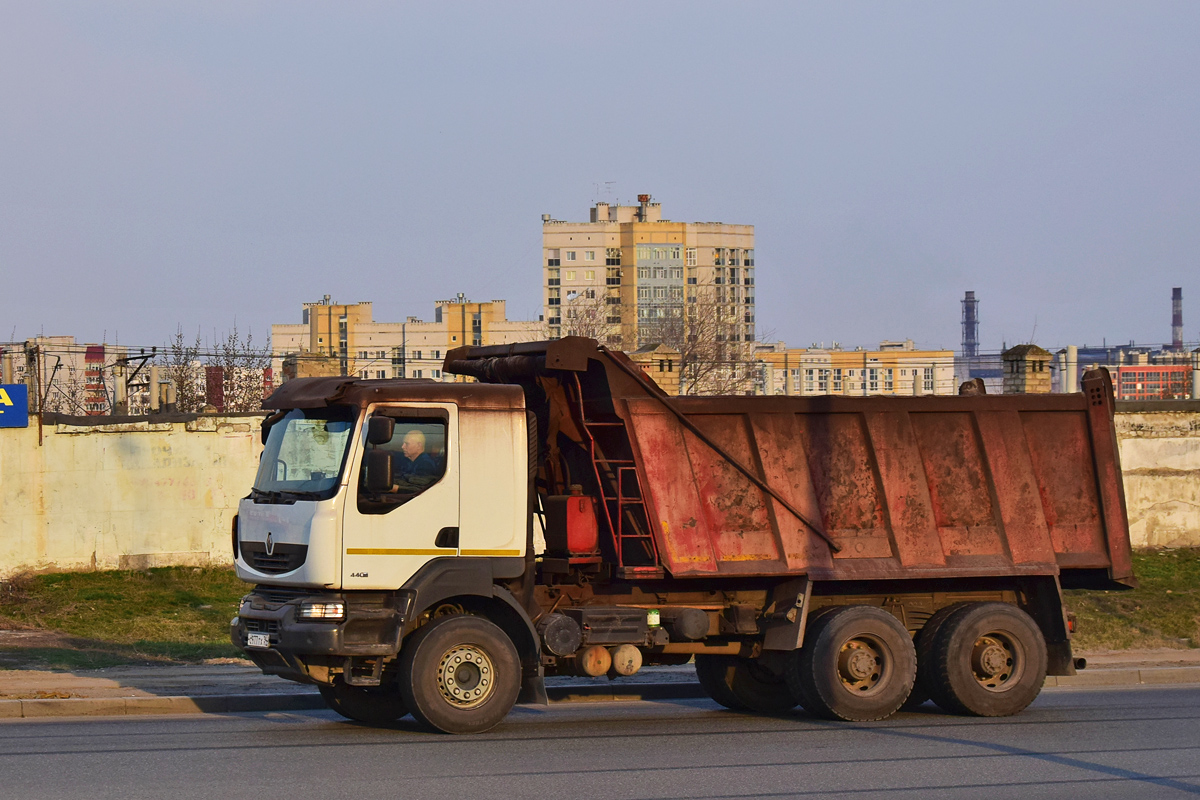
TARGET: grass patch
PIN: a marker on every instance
(172, 614)
(1164, 611)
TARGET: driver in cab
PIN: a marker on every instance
(416, 461)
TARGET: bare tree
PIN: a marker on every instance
(716, 355)
(181, 363)
(243, 366)
(588, 312)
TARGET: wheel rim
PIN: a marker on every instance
(863, 664)
(996, 661)
(465, 676)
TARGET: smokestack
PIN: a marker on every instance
(970, 325)
(1177, 318)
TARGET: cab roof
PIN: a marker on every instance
(343, 390)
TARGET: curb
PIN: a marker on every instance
(309, 701)
(1128, 677)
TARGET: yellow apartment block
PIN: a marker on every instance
(346, 340)
(896, 368)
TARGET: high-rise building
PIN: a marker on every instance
(630, 278)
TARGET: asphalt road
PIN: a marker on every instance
(1086, 743)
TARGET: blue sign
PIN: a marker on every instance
(14, 405)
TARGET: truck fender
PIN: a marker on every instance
(460, 579)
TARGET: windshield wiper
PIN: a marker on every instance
(274, 496)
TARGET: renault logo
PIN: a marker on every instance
(270, 543)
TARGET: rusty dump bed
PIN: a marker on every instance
(838, 488)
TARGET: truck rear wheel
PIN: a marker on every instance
(743, 684)
(858, 663)
(459, 674)
(989, 660)
(925, 640)
(373, 705)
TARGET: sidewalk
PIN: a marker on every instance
(234, 687)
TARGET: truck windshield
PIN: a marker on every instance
(304, 454)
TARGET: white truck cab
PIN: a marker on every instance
(373, 498)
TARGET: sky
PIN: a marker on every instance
(196, 166)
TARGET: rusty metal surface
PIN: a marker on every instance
(321, 392)
(905, 486)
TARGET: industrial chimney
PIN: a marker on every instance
(1177, 319)
(970, 325)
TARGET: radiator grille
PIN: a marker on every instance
(261, 625)
(282, 558)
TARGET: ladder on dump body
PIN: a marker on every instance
(617, 504)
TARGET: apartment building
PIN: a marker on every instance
(896, 368)
(71, 377)
(630, 278)
(336, 339)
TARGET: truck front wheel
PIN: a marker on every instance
(459, 674)
(857, 664)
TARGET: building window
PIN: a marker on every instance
(570, 275)
(437, 354)
(734, 261)
(552, 259)
(589, 255)
(416, 355)
(416, 373)
(718, 256)
(570, 255)
(749, 260)
(612, 256)
(889, 383)
(928, 380)
(437, 373)
(837, 379)
(690, 256)
(873, 380)
(589, 275)
(381, 373)
(613, 277)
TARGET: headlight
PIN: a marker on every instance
(323, 611)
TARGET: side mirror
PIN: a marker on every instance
(380, 430)
(379, 470)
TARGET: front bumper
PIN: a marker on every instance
(304, 650)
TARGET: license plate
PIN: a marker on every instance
(258, 640)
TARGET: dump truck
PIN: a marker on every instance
(439, 548)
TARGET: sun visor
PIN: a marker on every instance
(309, 392)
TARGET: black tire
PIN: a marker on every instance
(372, 705)
(744, 684)
(989, 660)
(925, 640)
(459, 674)
(858, 663)
(715, 674)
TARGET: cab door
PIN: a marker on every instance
(389, 535)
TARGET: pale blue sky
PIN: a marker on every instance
(167, 164)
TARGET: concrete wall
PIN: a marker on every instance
(1160, 458)
(128, 494)
(134, 494)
